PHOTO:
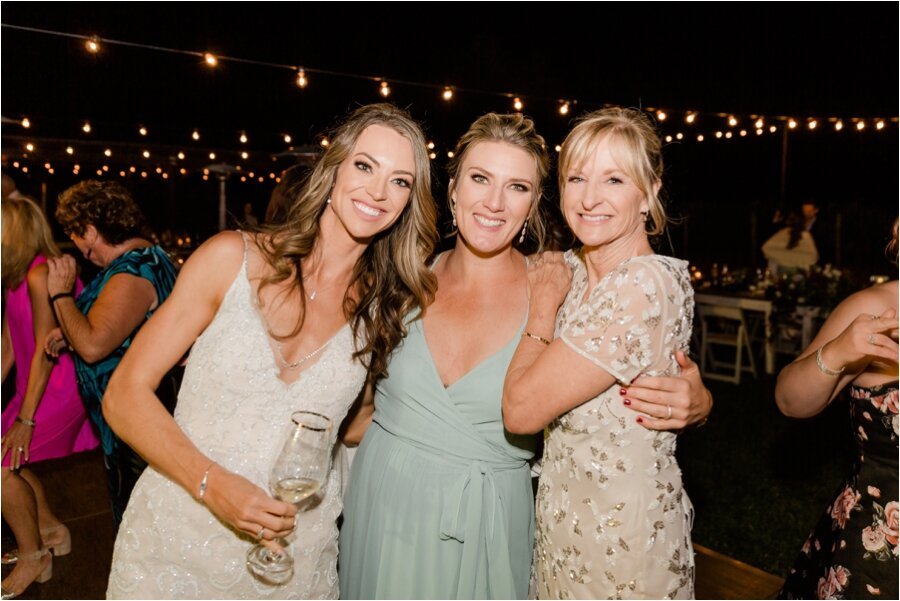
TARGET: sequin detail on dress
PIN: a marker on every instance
(233, 406)
(613, 521)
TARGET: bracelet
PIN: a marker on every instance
(25, 421)
(203, 482)
(536, 337)
(56, 297)
(824, 368)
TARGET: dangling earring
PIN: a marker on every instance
(524, 229)
(644, 216)
(453, 211)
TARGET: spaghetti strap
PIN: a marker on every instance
(246, 247)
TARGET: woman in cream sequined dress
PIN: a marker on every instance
(613, 520)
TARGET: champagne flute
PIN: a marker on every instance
(300, 470)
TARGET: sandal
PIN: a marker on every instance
(59, 548)
(41, 578)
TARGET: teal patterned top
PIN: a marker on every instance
(151, 263)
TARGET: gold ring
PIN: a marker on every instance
(20, 449)
(669, 407)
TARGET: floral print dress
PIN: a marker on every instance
(613, 521)
(852, 552)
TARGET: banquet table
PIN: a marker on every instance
(753, 303)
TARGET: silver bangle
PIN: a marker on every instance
(203, 482)
(824, 368)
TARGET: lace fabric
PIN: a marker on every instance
(235, 409)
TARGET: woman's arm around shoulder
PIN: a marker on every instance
(843, 346)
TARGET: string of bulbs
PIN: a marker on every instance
(677, 125)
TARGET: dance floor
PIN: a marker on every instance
(77, 490)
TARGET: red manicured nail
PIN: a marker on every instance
(623, 391)
(627, 401)
(640, 420)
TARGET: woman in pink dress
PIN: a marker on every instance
(45, 419)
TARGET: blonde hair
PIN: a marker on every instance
(635, 146)
(26, 233)
(519, 131)
(391, 277)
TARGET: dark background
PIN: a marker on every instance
(784, 60)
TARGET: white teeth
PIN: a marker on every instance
(488, 222)
(367, 209)
(594, 218)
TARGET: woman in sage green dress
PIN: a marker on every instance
(440, 502)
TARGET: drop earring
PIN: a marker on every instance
(524, 229)
(328, 200)
(453, 211)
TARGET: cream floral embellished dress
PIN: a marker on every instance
(613, 521)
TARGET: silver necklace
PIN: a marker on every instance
(301, 360)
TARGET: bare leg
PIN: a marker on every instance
(47, 520)
(20, 510)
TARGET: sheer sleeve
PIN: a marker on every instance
(621, 327)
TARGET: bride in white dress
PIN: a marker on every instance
(292, 318)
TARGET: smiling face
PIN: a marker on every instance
(494, 191)
(373, 184)
(601, 203)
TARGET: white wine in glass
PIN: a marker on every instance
(300, 470)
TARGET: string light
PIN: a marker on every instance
(879, 125)
(759, 132)
(759, 123)
(93, 44)
(860, 125)
(70, 150)
(132, 169)
(718, 134)
(50, 171)
(700, 138)
(24, 169)
(195, 135)
(557, 148)
(432, 155)
(146, 154)
(384, 89)
(839, 125)
(86, 128)
(182, 171)
(210, 59)
(105, 168)
(690, 117)
(302, 82)
(47, 165)
(324, 143)
(143, 174)
(243, 138)
(107, 152)
(26, 123)
(728, 135)
(431, 146)
(121, 174)
(743, 133)
(679, 136)
(245, 155)
(564, 108)
(668, 138)
(287, 138)
(661, 115)
(813, 124)
(143, 131)
(180, 156)
(448, 93)
(732, 121)
(772, 129)
(517, 103)
(212, 156)
(165, 175)
(792, 124)
(158, 170)
(449, 154)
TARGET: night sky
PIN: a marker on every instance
(800, 61)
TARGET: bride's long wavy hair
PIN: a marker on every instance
(391, 278)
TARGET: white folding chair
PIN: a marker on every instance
(724, 326)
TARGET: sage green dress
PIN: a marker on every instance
(440, 502)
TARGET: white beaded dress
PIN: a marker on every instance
(613, 521)
(233, 406)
